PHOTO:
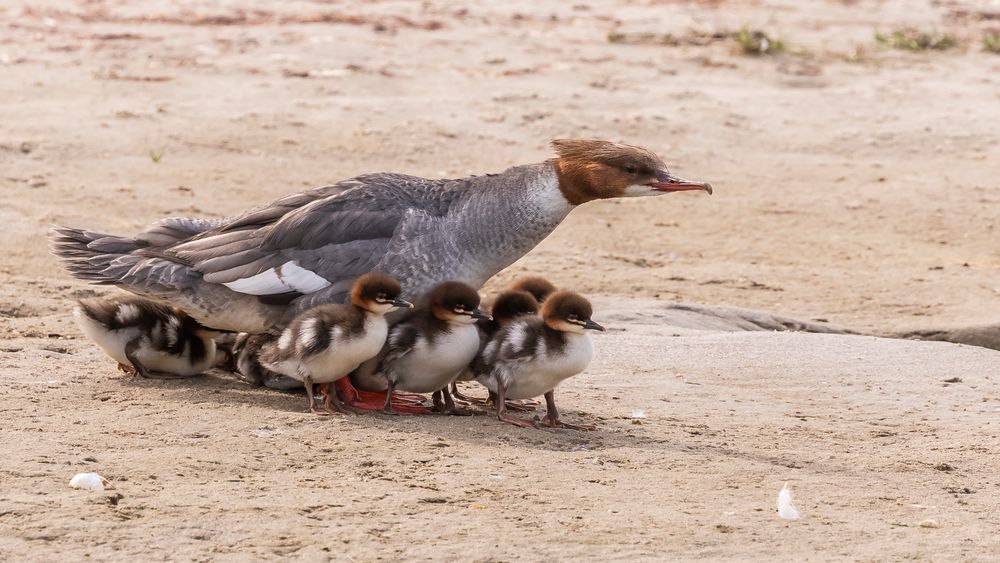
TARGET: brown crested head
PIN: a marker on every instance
(590, 169)
(539, 287)
(512, 304)
(377, 293)
(568, 311)
(454, 301)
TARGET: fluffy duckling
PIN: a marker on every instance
(508, 306)
(245, 363)
(148, 338)
(427, 350)
(532, 355)
(539, 287)
(328, 342)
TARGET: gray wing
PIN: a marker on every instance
(312, 244)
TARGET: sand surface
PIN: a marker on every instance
(855, 187)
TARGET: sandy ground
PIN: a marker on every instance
(853, 184)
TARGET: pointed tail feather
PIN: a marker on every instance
(113, 260)
(92, 256)
(109, 259)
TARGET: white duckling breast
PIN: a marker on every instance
(346, 351)
(432, 366)
(544, 371)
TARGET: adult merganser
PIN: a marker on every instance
(148, 338)
(256, 272)
(330, 341)
(532, 355)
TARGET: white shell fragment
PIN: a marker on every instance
(786, 509)
(89, 481)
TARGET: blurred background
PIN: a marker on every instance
(853, 144)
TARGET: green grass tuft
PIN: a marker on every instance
(991, 42)
(755, 42)
(910, 39)
(155, 156)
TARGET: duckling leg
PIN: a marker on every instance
(552, 416)
(387, 406)
(502, 410)
(308, 383)
(520, 406)
(331, 403)
(368, 376)
(448, 406)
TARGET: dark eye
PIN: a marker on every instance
(572, 318)
(631, 169)
(382, 296)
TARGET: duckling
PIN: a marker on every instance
(508, 306)
(327, 342)
(427, 350)
(531, 356)
(148, 338)
(539, 287)
(246, 366)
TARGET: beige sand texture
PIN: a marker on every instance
(856, 187)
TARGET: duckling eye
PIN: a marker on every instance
(573, 318)
(631, 169)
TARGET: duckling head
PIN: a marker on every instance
(539, 287)
(456, 302)
(512, 304)
(567, 311)
(377, 293)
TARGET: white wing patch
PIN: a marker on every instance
(286, 339)
(516, 337)
(173, 331)
(127, 313)
(283, 279)
(307, 332)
